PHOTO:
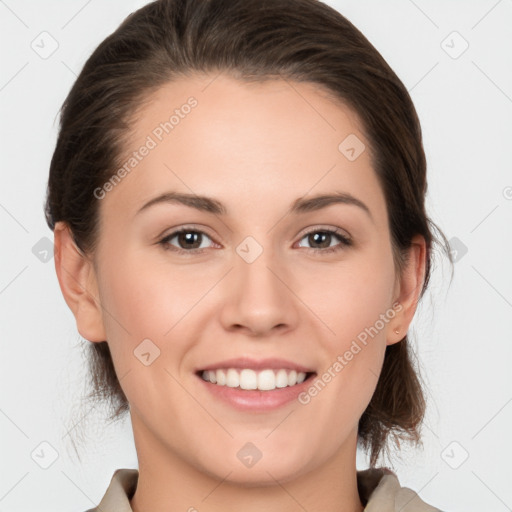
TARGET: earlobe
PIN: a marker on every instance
(409, 289)
(78, 284)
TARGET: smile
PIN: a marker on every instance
(264, 380)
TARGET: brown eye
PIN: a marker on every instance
(187, 240)
(321, 240)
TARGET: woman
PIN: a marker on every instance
(237, 197)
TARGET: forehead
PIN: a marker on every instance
(240, 141)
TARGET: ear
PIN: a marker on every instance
(77, 280)
(408, 289)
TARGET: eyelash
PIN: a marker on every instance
(344, 241)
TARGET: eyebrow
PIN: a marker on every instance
(301, 205)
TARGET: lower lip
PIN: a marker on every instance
(255, 400)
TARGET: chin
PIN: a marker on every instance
(261, 475)
(251, 467)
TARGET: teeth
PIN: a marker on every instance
(265, 380)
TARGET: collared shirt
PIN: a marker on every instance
(379, 491)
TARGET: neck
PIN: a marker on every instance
(169, 483)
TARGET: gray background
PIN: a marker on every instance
(461, 332)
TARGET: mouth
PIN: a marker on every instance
(255, 385)
(267, 379)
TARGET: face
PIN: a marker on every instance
(250, 277)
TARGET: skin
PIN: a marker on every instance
(256, 148)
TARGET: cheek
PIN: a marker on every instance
(145, 311)
(151, 299)
(145, 300)
(350, 297)
(355, 303)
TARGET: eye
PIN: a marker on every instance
(324, 237)
(189, 240)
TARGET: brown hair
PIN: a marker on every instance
(252, 40)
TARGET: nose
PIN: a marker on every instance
(259, 297)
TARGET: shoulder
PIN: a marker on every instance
(380, 491)
(119, 492)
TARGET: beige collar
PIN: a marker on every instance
(379, 490)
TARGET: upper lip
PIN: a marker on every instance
(257, 364)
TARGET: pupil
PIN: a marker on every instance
(320, 234)
(189, 238)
